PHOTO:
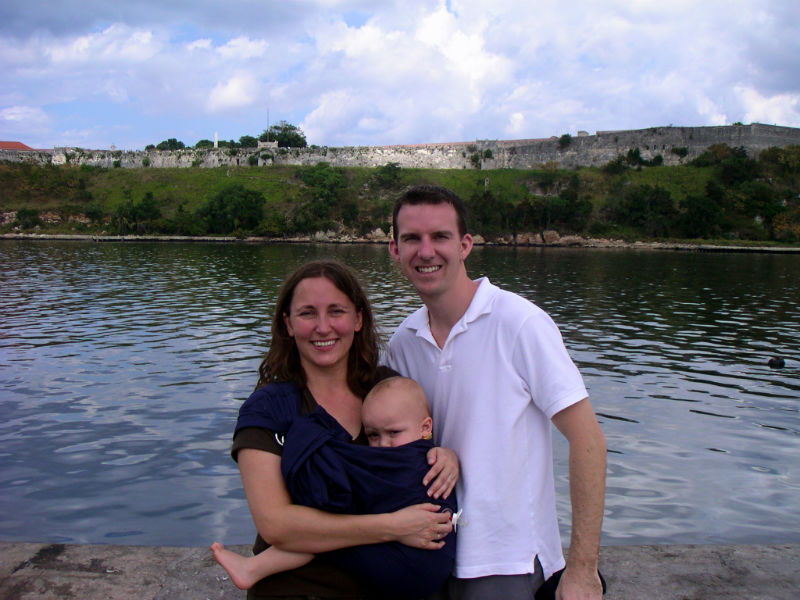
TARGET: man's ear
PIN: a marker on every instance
(466, 246)
(393, 251)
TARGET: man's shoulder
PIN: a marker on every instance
(510, 306)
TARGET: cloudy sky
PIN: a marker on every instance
(96, 73)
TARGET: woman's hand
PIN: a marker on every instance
(443, 473)
(422, 526)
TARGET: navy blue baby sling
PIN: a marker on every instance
(323, 469)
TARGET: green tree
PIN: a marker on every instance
(136, 217)
(576, 208)
(323, 198)
(286, 134)
(204, 144)
(248, 141)
(564, 141)
(232, 208)
(761, 202)
(170, 144)
(616, 166)
(738, 168)
(27, 218)
(486, 212)
(701, 217)
(388, 175)
(646, 207)
(186, 223)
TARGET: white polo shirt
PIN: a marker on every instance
(501, 376)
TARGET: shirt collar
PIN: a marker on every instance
(480, 304)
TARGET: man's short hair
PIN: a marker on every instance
(431, 194)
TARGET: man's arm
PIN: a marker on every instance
(587, 476)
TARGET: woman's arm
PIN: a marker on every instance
(302, 529)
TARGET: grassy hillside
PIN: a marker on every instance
(723, 194)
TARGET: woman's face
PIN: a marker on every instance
(323, 321)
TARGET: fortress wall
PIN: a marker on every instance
(583, 150)
(37, 157)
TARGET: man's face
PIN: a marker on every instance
(429, 249)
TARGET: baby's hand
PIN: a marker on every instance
(443, 474)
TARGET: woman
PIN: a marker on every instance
(324, 341)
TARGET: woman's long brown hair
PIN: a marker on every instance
(282, 362)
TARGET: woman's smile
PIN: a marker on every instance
(323, 322)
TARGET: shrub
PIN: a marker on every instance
(564, 141)
(648, 208)
(136, 217)
(234, 207)
(27, 218)
(170, 144)
(616, 166)
(387, 175)
(286, 134)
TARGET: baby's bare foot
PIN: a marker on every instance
(235, 565)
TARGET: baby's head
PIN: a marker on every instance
(395, 412)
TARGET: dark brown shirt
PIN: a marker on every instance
(319, 578)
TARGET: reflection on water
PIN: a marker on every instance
(122, 367)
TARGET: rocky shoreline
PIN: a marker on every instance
(549, 239)
(45, 571)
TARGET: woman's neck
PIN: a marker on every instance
(331, 392)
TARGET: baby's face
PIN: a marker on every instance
(389, 423)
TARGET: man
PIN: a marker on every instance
(496, 372)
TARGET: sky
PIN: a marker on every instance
(96, 74)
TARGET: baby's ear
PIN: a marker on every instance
(426, 428)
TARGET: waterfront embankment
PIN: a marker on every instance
(92, 572)
(557, 242)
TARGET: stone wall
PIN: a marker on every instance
(582, 150)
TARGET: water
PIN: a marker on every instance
(122, 367)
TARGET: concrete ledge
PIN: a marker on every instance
(59, 571)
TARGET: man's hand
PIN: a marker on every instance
(579, 584)
(443, 473)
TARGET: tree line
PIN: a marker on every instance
(286, 134)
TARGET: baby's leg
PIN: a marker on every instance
(246, 571)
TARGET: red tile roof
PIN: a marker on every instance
(14, 146)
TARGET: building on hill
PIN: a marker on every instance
(14, 146)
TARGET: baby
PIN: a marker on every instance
(394, 413)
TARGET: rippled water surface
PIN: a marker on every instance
(122, 367)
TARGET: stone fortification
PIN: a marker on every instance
(675, 145)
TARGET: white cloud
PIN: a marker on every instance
(411, 72)
(237, 92)
(780, 109)
(201, 44)
(26, 124)
(23, 114)
(243, 48)
(117, 42)
(515, 125)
